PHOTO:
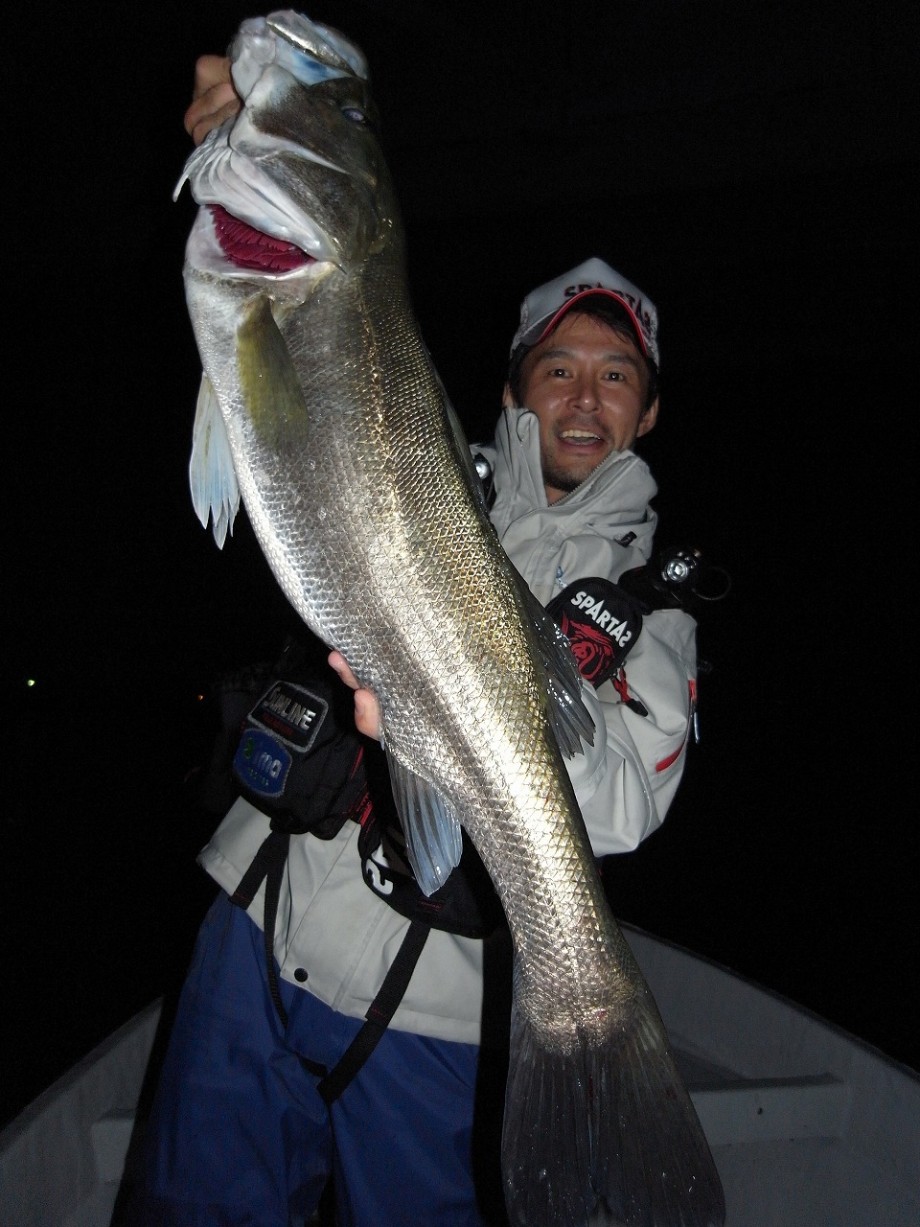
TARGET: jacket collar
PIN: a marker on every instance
(621, 486)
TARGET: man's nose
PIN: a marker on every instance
(584, 394)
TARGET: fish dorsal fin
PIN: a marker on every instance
(211, 474)
(571, 721)
(434, 840)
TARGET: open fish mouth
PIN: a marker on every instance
(294, 179)
(249, 248)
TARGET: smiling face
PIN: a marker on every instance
(588, 386)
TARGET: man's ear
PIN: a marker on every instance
(508, 401)
(648, 419)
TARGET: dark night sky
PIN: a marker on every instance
(754, 169)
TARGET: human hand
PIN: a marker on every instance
(213, 97)
(368, 719)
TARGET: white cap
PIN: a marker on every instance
(545, 306)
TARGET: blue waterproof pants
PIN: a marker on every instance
(239, 1135)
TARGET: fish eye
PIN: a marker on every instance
(354, 114)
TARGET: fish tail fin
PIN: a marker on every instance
(604, 1134)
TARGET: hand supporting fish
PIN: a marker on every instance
(321, 409)
(367, 709)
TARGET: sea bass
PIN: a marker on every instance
(321, 409)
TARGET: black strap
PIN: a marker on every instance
(379, 1013)
(268, 866)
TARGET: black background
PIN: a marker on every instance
(754, 169)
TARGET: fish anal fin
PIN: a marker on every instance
(434, 839)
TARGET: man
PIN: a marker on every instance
(274, 1081)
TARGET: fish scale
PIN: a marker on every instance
(359, 486)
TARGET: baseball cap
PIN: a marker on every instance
(545, 306)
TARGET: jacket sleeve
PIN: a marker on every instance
(626, 781)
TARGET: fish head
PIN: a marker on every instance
(296, 185)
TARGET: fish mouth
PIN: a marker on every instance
(246, 247)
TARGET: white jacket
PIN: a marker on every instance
(333, 936)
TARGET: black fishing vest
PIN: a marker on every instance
(300, 761)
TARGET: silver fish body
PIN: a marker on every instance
(320, 400)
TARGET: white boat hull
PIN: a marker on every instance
(809, 1126)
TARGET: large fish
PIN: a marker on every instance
(321, 407)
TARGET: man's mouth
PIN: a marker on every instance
(579, 437)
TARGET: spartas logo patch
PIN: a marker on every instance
(601, 623)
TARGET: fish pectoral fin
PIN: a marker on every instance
(269, 383)
(570, 719)
(434, 840)
(211, 472)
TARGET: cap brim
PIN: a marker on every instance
(541, 330)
